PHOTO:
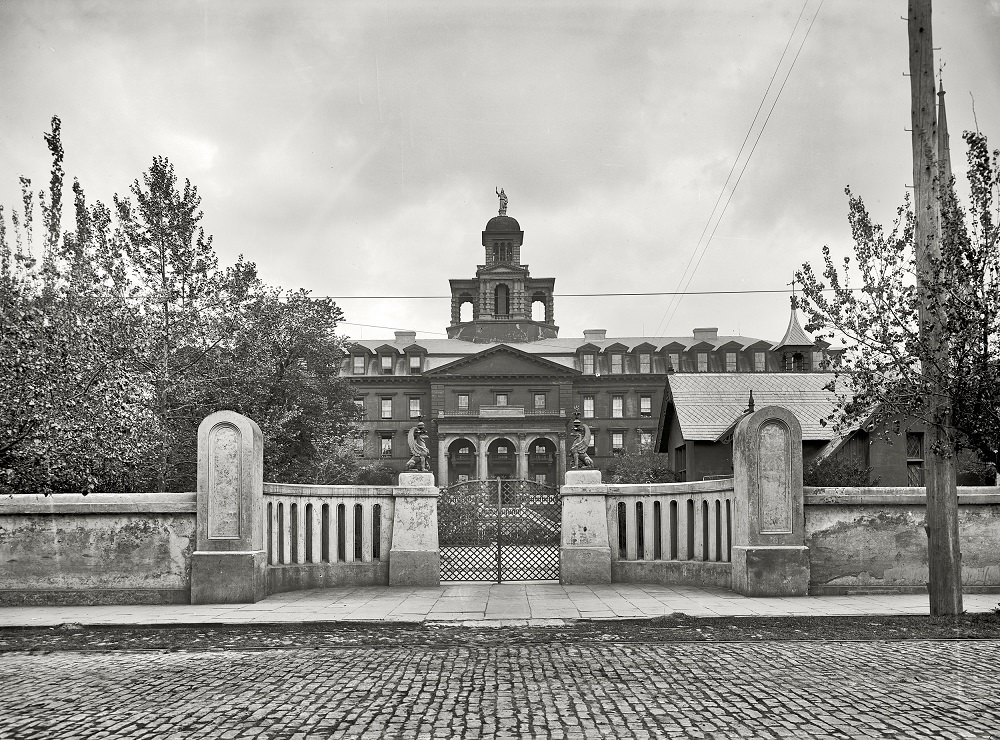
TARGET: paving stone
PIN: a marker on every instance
(913, 689)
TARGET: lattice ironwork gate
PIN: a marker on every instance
(499, 530)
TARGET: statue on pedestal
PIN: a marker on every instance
(420, 460)
(579, 442)
(503, 201)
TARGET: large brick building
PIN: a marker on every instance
(498, 394)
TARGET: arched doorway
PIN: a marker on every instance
(542, 461)
(461, 461)
(501, 459)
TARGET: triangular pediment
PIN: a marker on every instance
(502, 360)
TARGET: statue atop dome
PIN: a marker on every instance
(503, 201)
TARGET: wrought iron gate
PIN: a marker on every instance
(499, 530)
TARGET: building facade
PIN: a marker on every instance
(499, 393)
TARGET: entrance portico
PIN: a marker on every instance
(475, 449)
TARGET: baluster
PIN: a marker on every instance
(366, 530)
(317, 531)
(684, 510)
(712, 532)
(286, 532)
(348, 531)
(648, 529)
(272, 509)
(631, 533)
(300, 532)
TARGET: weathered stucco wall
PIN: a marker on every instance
(97, 549)
(873, 539)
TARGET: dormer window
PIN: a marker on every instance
(415, 364)
(359, 364)
(759, 365)
(588, 364)
(730, 362)
(385, 362)
(674, 359)
(645, 362)
(616, 363)
(703, 362)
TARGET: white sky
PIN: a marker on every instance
(353, 148)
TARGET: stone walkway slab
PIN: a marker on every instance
(528, 603)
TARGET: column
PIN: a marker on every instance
(443, 459)
(522, 457)
(482, 472)
(229, 563)
(769, 553)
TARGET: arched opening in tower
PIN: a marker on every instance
(502, 297)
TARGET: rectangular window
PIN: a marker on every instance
(539, 449)
(674, 360)
(501, 399)
(541, 478)
(386, 408)
(360, 403)
(616, 363)
(819, 361)
(588, 364)
(415, 364)
(680, 462)
(414, 408)
(645, 439)
(617, 442)
(462, 478)
(730, 362)
(645, 363)
(703, 362)
(463, 401)
(539, 401)
(386, 444)
(914, 458)
(386, 364)
(645, 406)
(617, 407)
(359, 364)
(758, 362)
(588, 407)
(359, 445)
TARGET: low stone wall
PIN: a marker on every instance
(97, 549)
(872, 540)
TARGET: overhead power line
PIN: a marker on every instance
(567, 295)
(717, 217)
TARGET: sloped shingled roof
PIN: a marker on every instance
(707, 404)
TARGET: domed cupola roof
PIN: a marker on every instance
(503, 223)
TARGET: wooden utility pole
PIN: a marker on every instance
(944, 557)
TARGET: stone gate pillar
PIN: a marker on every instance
(585, 551)
(415, 556)
(769, 555)
(229, 564)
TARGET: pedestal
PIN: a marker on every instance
(584, 553)
(415, 556)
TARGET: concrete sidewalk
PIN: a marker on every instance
(505, 604)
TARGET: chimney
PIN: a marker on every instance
(595, 335)
(706, 333)
(406, 336)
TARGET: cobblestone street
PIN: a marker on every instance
(913, 689)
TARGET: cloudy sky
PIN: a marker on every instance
(353, 148)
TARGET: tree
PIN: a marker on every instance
(68, 411)
(886, 321)
(122, 335)
(169, 283)
(641, 466)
